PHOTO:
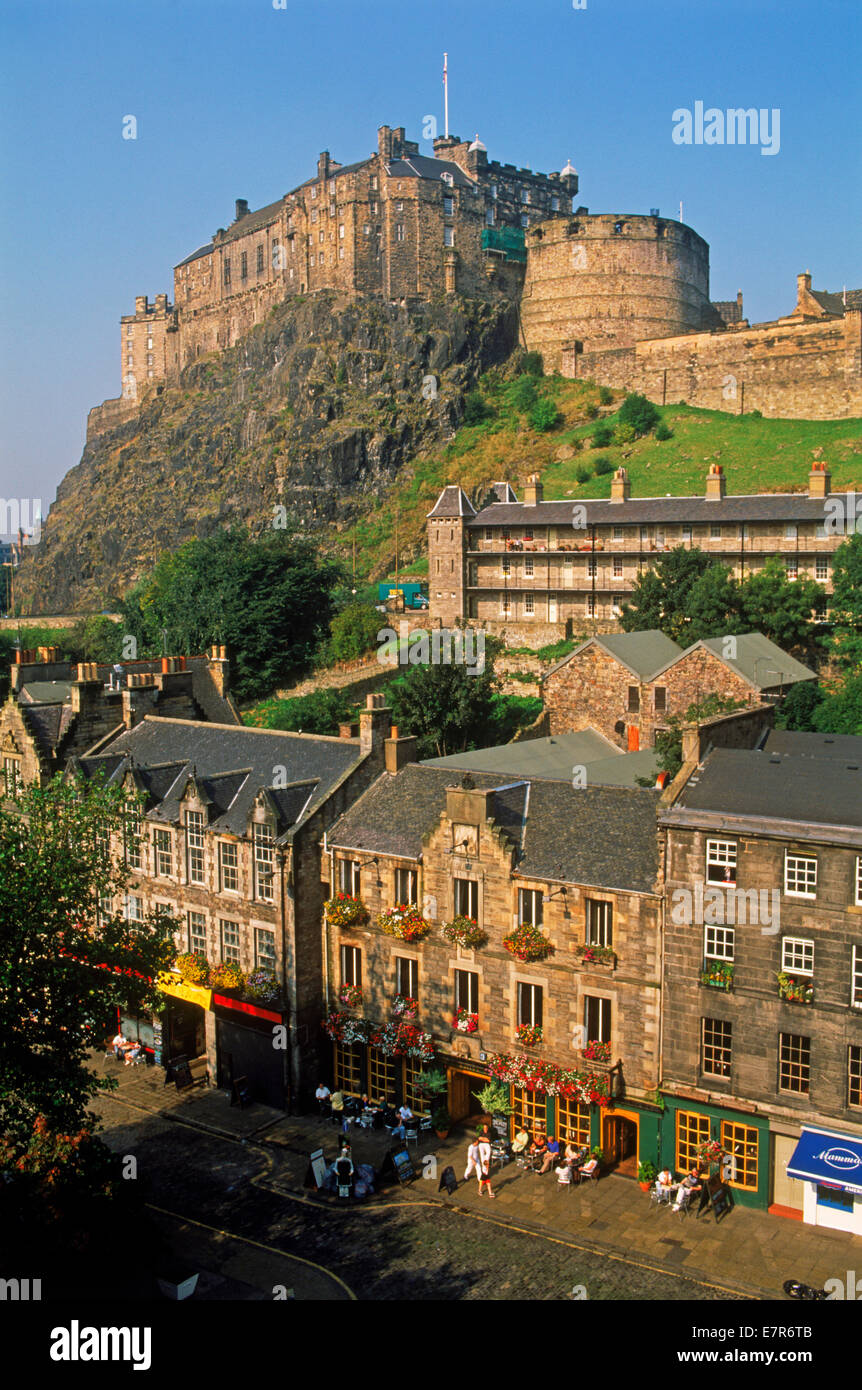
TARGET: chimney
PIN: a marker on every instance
(86, 687)
(345, 731)
(397, 752)
(219, 668)
(241, 208)
(375, 722)
(384, 142)
(466, 804)
(819, 480)
(323, 165)
(621, 488)
(533, 492)
(715, 483)
(804, 302)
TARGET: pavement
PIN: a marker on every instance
(746, 1254)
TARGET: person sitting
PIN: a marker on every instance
(664, 1185)
(520, 1144)
(552, 1154)
(336, 1101)
(404, 1114)
(322, 1095)
(690, 1184)
(118, 1044)
(538, 1149)
(133, 1054)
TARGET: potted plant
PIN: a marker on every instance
(345, 911)
(494, 1100)
(442, 1122)
(529, 1035)
(647, 1174)
(527, 942)
(465, 1022)
(465, 932)
(404, 921)
(432, 1083)
(350, 996)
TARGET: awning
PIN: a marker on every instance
(825, 1157)
(181, 989)
(226, 1001)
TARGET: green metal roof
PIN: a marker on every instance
(604, 764)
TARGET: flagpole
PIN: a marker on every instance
(446, 91)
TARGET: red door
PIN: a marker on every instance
(634, 738)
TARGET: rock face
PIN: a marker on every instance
(316, 410)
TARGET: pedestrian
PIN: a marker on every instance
(485, 1168)
(472, 1159)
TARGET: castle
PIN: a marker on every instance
(622, 299)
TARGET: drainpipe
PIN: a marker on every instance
(286, 865)
(325, 925)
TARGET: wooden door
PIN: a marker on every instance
(634, 735)
(552, 608)
(459, 1099)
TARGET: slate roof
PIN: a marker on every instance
(46, 723)
(230, 765)
(45, 692)
(642, 652)
(757, 659)
(599, 836)
(834, 303)
(196, 255)
(453, 501)
(423, 166)
(779, 792)
(605, 764)
(766, 506)
(841, 747)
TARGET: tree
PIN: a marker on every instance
(544, 416)
(713, 605)
(65, 968)
(353, 631)
(448, 707)
(660, 595)
(840, 712)
(668, 741)
(846, 603)
(98, 638)
(638, 412)
(779, 607)
(799, 706)
(269, 599)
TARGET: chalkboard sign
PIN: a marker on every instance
(722, 1201)
(315, 1175)
(404, 1168)
(240, 1093)
(180, 1073)
(448, 1181)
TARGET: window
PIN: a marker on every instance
(718, 943)
(229, 941)
(618, 567)
(800, 876)
(133, 908)
(162, 855)
(374, 182)
(448, 206)
(399, 231)
(493, 190)
(597, 1018)
(797, 956)
(599, 923)
(505, 605)
(507, 567)
(634, 699)
(264, 948)
(489, 533)
(686, 535)
(276, 256)
(131, 839)
(525, 221)
(715, 533)
(794, 1063)
(692, 1130)
(466, 898)
(740, 1143)
(348, 877)
(320, 259)
(792, 568)
(555, 205)
(332, 185)
(264, 859)
(573, 1121)
(529, 1110)
(314, 191)
(721, 861)
(821, 567)
(489, 217)
(790, 531)
(332, 209)
(195, 846)
(467, 991)
(529, 1005)
(525, 197)
(406, 886)
(530, 906)
(128, 330)
(592, 568)
(407, 977)
(644, 534)
(854, 1076)
(351, 966)
(590, 606)
(715, 1047)
(448, 236)
(529, 569)
(341, 232)
(197, 924)
(226, 268)
(529, 605)
(348, 1068)
(243, 265)
(660, 694)
(381, 1071)
(228, 867)
(259, 259)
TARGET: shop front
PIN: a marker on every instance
(360, 1068)
(829, 1165)
(248, 1039)
(741, 1139)
(183, 1019)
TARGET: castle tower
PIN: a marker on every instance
(448, 542)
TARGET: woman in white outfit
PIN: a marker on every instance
(472, 1159)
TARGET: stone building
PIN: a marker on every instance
(57, 711)
(627, 685)
(581, 868)
(535, 571)
(762, 972)
(228, 843)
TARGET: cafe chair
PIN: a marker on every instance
(660, 1196)
(683, 1204)
(366, 1119)
(411, 1131)
(519, 1148)
(589, 1172)
(425, 1124)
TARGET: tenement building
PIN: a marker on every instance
(511, 926)
(762, 973)
(227, 843)
(534, 571)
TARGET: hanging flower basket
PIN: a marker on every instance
(710, 1151)
(596, 1051)
(527, 942)
(588, 1088)
(344, 1028)
(403, 1040)
(404, 921)
(465, 1022)
(350, 996)
(465, 932)
(344, 911)
(261, 987)
(528, 1036)
(405, 1008)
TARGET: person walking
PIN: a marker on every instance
(472, 1159)
(485, 1168)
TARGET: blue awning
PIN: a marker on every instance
(825, 1157)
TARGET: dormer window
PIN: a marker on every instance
(264, 860)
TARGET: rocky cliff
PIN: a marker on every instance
(316, 410)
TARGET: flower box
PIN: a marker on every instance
(527, 942)
(465, 1022)
(794, 990)
(597, 1052)
(598, 955)
(405, 1008)
(345, 911)
(465, 932)
(350, 996)
(528, 1036)
(404, 921)
(717, 974)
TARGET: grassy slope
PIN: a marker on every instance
(758, 456)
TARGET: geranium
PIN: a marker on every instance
(226, 975)
(465, 1022)
(597, 955)
(350, 996)
(797, 991)
(526, 942)
(465, 932)
(718, 974)
(344, 1028)
(710, 1151)
(403, 1040)
(194, 967)
(548, 1079)
(405, 1008)
(529, 1036)
(596, 1051)
(404, 921)
(345, 911)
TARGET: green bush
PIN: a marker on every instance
(606, 395)
(353, 632)
(638, 412)
(476, 409)
(625, 434)
(592, 411)
(544, 416)
(523, 395)
(663, 432)
(603, 436)
(533, 364)
(583, 473)
(603, 466)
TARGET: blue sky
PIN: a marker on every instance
(234, 98)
